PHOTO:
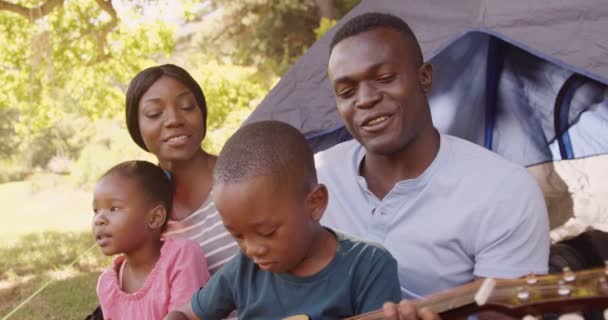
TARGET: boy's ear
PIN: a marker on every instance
(157, 217)
(316, 201)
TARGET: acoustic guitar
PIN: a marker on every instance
(532, 295)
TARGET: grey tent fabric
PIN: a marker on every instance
(525, 79)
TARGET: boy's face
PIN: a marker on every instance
(273, 225)
(122, 216)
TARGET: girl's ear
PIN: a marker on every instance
(157, 217)
(316, 201)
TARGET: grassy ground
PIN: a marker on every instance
(45, 227)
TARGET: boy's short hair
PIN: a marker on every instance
(374, 20)
(151, 180)
(267, 148)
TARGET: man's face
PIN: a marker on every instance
(380, 87)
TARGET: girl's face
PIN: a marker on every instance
(122, 216)
(170, 121)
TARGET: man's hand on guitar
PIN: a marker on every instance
(406, 310)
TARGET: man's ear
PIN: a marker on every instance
(425, 76)
(157, 217)
(316, 201)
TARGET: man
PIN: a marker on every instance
(448, 210)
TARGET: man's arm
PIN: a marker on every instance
(513, 235)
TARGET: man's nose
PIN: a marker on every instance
(367, 95)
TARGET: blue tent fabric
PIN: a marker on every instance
(513, 102)
(526, 80)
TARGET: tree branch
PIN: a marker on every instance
(32, 14)
(105, 29)
(100, 34)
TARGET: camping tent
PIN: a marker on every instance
(526, 79)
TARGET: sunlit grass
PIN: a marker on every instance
(45, 227)
(35, 259)
(43, 203)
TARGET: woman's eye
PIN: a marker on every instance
(153, 115)
(188, 108)
(95, 210)
(113, 209)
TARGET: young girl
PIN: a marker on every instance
(152, 276)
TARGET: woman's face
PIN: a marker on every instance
(170, 121)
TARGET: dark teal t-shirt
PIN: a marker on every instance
(360, 278)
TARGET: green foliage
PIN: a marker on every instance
(110, 145)
(65, 137)
(231, 93)
(324, 26)
(66, 64)
(269, 34)
(10, 140)
(12, 172)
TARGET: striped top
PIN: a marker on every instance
(205, 227)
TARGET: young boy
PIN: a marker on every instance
(266, 191)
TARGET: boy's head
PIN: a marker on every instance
(265, 188)
(131, 202)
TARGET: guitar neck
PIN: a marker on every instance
(457, 299)
(561, 293)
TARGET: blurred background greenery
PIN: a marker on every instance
(64, 68)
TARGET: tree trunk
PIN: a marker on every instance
(326, 8)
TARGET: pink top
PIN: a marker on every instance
(179, 272)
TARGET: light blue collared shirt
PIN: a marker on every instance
(471, 213)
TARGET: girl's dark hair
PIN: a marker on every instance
(144, 80)
(151, 180)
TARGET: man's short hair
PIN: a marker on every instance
(374, 20)
(267, 148)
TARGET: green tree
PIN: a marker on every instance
(62, 58)
(269, 34)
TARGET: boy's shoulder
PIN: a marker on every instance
(360, 249)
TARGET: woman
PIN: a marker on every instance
(166, 115)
